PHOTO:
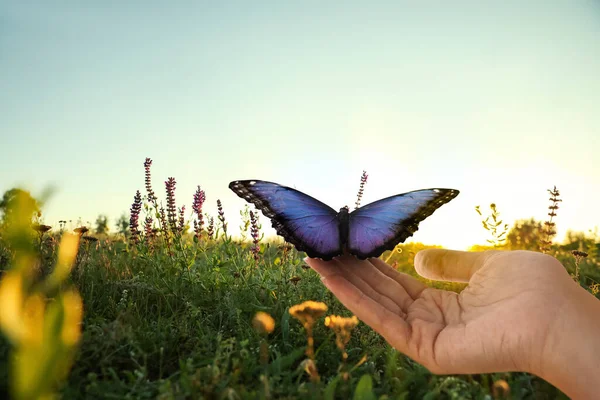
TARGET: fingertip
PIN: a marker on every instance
(424, 261)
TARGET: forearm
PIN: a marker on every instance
(572, 350)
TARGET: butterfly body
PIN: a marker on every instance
(320, 231)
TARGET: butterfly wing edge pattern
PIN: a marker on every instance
(410, 225)
(277, 221)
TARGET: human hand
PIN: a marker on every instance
(516, 314)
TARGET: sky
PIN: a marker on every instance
(496, 99)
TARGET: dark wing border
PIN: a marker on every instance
(410, 225)
(277, 221)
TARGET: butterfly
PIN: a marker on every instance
(318, 230)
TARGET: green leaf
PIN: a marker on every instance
(329, 393)
(284, 363)
(364, 389)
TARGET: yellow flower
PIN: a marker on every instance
(263, 323)
(67, 252)
(308, 312)
(33, 320)
(11, 306)
(343, 329)
(501, 389)
(73, 314)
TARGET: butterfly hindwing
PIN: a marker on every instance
(303, 221)
(381, 225)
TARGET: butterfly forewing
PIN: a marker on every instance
(303, 221)
(381, 225)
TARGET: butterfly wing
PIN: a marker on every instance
(303, 221)
(381, 225)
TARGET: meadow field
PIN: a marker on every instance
(173, 307)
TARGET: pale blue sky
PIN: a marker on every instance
(497, 99)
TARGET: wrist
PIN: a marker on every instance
(571, 352)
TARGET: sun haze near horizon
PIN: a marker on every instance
(498, 101)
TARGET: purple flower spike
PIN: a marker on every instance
(361, 190)
(171, 207)
(255, 233)
(222, 216)
(136, 207)
(199, 199)
(181, 225)
(148, 177)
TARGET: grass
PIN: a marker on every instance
(172, 318)
(155, 329)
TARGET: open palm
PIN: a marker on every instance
(499, 322)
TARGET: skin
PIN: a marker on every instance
(521, 311)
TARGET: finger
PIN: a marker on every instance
(450, 265)
(343, 268)
(373, 275)
(390, 325)
(412, 286)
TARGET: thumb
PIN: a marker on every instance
(450, 265)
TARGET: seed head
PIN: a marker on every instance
(83, 229)
(41, 228)
(295, 280)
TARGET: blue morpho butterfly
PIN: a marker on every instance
(320, 231)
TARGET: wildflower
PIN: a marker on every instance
(263, 323)
(307, 313)
(148, 178)
(254, 233)
(41, 228)
(595, 288)
(199, 199)
(73, 314)
(342, 327)
(361, 190)
(181, 226)
(310, 367)
(82, 229)
(136, 207)
(493, 224)
(550, 226)
(579, 256)
(171, 207)
(163, 218)
(148, 230)
(211, 227)
(222, 216)
(501, 389)
(285, 250)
